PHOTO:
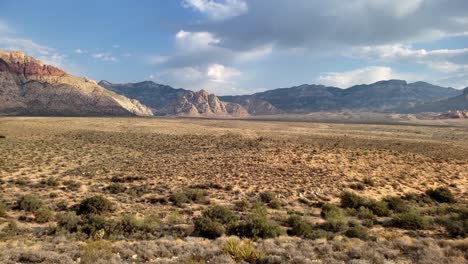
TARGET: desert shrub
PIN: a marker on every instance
(138, 191)
(11, 229)
(68, 221)
(242, 205)
(367, 216)
(196, 195)
(257, 225)
(28, 203)
(220, 214)
(351, 200)
(369, 181)
(178, 199)
(456, 223)
(274, 204)
(441, 195)
(209, 228)
(72, 185)
(298, 226)
(96, 226)
(357, 232)
(194, 260)
(2, 136)
(51, 181)
(131, 225)
(357, 186)
(3, 210)
(267, 197)
(43, 215)
(242, 250)
(396, 204)
(412, 220)
(95, 205)
(336, 221)
(379, 208)
(115, 188)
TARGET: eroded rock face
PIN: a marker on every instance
(202, 103)
(29, 87)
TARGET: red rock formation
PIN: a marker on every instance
(17, 63)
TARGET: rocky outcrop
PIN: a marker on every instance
(203, 104)
(29, 87)
(254, 106)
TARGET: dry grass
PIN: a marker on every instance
(139, 163)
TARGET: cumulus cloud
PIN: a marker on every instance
(217, 10)
(80, 51)
(336, 23)
(105, 56)
(365, 75)
(215, 78)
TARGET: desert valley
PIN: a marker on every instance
(234, 131)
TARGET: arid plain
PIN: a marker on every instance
(177, 190)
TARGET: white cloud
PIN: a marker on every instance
(156, 59)
(26, 45)
(215, 78)
(218, 10)
(105, 56)
(80, 51)
(365, 75)
(3, 27)
(193, 41)
(115, 46)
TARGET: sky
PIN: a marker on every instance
(244, 46)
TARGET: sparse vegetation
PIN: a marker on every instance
(29, 203)
(95, 205)
(441, 195)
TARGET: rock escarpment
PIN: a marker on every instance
(29, 87)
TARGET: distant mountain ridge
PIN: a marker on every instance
(382, 96)
(165, 100)
(457, 103)
(29, 87)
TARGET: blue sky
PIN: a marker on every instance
(242, 46)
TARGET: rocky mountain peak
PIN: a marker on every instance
(465, 92)
(17, 62)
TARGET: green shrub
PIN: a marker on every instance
(411, 220)
(96, 224)
(196, 195)
(97, 252)
(115, 188)
(298, 226)
(369, 181)
(178, 199)
(51, 181)
(267, 197)
(2, 136)
(72, 185)
(221, 214)
(43, 215)
(131, 225)
(208, 228)
(242, 205)
(351, 200)
(367, 216)
(396, 204)
(68, 221)
(256, 225)
(357, 232)
(336, 221)
(242, 251)
(441, 195)
(274, 204)
(357, 186)
(379, 208)
(95, 205)
(29, 203)
(3, 210)
(456, 224)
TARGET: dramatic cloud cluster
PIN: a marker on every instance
(382, 30)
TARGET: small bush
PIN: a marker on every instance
(178, 199)
(3, 210)
(72, 185)
(357, 186)
(97, 252)
(95, 226)
(257, 225)
(43, 215)
(196, 195)
(68, 221)
(51, 181)
(115, 188)
(2, 136)
(456, 224)
(274, 204)
(221, 214)
(351, 200)
(441, 195)
(369, 181)
(396, 204)
(298, 226)
(95, 205)
(411, 220)
(242, 251)
(267, 197)
(367, 216)
(29, 203)
(379, 208)
(131, 225)
(208, 228)
(357, 232)
(242, 205)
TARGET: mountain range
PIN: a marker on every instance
(29, 87)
